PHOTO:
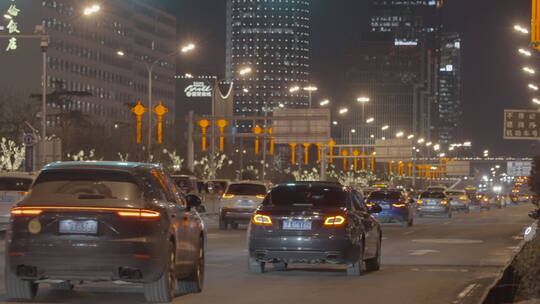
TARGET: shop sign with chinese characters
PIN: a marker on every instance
(12, 26)
(522, 124)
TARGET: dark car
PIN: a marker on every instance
(433, 203)
(396, 207)
(105, 221)
(314, 223)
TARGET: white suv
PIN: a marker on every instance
(239, 201)
(13, 187)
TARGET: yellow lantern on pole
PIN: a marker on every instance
(373, 162)
(410, 167)
(355, 160)
(160, 110)
(331, 145)
(306, 153)
(293, 153)
(272, 141)
(319, 151)
(345, 153)
(138, 110)
(204, 124)
(257, 130)
(222, 124)
(391, 167)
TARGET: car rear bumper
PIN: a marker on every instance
(392, 216)
(303, 249)
(133, 261)
(432, 210)
(239, 215)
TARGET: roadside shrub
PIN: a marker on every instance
(527, 266)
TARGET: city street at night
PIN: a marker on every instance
(438, 260)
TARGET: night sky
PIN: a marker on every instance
(492, 76)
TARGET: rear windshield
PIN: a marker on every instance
(385, 195)
(15, 184)
(432, 195)
(455, 193)
(246, 189)
(306, 196)
(82, 187)
(185, 183)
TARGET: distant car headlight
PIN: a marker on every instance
(444, 202)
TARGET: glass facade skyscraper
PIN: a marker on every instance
(273, 38)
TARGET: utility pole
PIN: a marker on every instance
(190, 143)
(323, 163)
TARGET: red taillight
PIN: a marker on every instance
(261, 219)
(138, 213)
(399, 205)
(337, 220)
(26, 211)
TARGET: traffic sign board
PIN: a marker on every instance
(521, 124)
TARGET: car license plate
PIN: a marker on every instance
(432, 203)
(78, 227)
(296, 225)
(384, 206)
(244, 203)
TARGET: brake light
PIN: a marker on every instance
(260, 196)
(486, 199)
(419, 202)
(25, 211)
(23, 193)
(139, 213)
(228, 195)
(463, 198)
(261, 219)
(337, 220)
(399, 205)
(444, 202)
(370, 204)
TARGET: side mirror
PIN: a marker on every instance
(193, 201)
(375, 209)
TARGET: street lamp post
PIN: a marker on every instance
(310, 89)
(363, 100)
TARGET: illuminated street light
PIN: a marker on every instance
(429, 143)
(310, 88)
(410, 136)
(245, 90)
(120, 53)
(533, 87)
(467, 144)
(363, 99)
(335, 123)
(245, 71)
(343, 111)
(529, 70)
(421, 140)
(188, 75)
(400, 134)
(521, 29)
(536, 101)
(91, 10)
(281, 105)
(451, 149)
(353, 131)
(370, 120)
(437, 147)
(294, 89)
(188, 48)
(525, 52)
(325, 102)
(442, 155)
(384, 128)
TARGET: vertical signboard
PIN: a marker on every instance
(521, 124)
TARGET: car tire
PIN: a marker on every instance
(255, 266)
(357, 268)
(223, 223)
(234, 226)
(65, 286)
(195, 282)
(164, 288)
(374, 264)
(19, 289)
(280, 266)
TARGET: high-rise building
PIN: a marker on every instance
(273, 39)
(105, 53)
(450, 105)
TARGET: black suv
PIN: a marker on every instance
(105, 221)
(314, 222)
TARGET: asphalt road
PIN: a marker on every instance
(438, 260)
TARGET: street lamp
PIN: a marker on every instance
(400, 134)
(421, 140)
(437, 147)
(520, 29)
(363, 99)
(294, 89)
(310, 89)
(335, 123)
(536, 100)
(410, 136)
(245, 71)
(429, 143)
(120, 53)
(525, 52)
(533, 87)
(529, 70)
(324, 103)
(343, 111)
(188, 48)
(91, 10)
(370, 120)
(245, 90)
(384, 128)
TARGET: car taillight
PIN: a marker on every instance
(25, 211)
(228, 195)
(261, 219)
(369, 204)
(463, 198)
(23, 193)
(260, 196)
(444, 202)
(419, 202)
(399, 205)
(139, 213)
(337, 220)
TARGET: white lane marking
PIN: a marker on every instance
(408, 232)
(422, 251)
(518, 237)
(466, 291)
(447, 241)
